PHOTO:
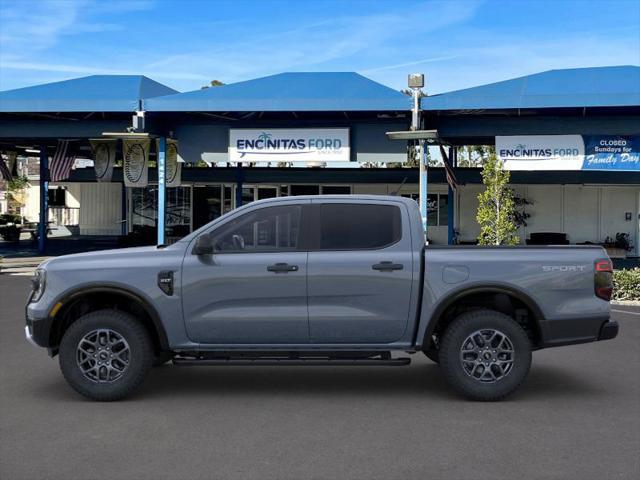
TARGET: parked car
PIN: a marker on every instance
(322, 280)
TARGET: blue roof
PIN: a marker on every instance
(288, 92)
(96, 93)
(576, 87)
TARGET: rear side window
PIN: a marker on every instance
(352, 226)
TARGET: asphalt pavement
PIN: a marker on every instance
(576, 417)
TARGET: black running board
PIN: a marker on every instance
(270, 362)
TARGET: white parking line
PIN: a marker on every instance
(625, 312)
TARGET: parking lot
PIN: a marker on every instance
(577, 416)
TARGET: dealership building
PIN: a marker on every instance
(570, 137)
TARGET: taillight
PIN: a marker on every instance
(603, 279)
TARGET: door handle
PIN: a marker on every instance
(282, 268)
(387, 266)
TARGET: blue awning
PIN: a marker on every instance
(288, 92)
(577, 87)
(96, 93)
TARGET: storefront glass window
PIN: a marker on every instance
(432, 209)
(207, 204)
(178, 219)
(144, 212)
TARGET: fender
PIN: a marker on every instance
(76, 293)
(455, 295)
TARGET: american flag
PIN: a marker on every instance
(451, 176)
(5, 172)
(62, 161)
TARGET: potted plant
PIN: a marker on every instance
(10, 227)
(618, 247)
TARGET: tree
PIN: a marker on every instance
(213, 83)
(15, 195)
(474, 155)
(496, 209)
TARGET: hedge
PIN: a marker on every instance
(626, 284)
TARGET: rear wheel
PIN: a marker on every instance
(105, 355)
(485, 355)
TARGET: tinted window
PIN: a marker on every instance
(265, 230)
(357, 226)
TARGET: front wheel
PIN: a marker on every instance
(105, 354)
(485, 355)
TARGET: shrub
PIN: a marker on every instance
(626, 284)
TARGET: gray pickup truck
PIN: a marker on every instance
(323, 280)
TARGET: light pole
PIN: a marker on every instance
(416, 83)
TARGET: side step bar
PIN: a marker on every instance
(343, 362)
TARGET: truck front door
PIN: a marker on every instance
(360, 272)
(252, 289)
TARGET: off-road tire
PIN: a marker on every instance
(140, 356)
(452, 344)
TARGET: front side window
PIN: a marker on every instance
(267, 229)
(352, 226)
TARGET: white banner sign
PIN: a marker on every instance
(104, 157)
(541, 152)
(289, 145)
(136, 162)
(173, 167)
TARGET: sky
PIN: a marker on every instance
(185, 44)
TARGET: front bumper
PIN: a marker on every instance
(29, 336)
(37, 331)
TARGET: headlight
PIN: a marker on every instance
(38, 283)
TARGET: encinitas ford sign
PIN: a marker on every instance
(541, 152)
(569, 152)
(289, 145)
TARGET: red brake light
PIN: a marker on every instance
(603, 279)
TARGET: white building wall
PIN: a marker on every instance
(615, 203)
(580, 213)
(370, 189)
(73, 195)
(100, 208)
(546, 209)
(466, 207)
(585, 213)
(31, 209)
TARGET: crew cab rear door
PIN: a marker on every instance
(359, 271)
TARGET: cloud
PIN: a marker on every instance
(409, 64)
(90, 70)
(31, 27)
(353, 41)
(493, 58)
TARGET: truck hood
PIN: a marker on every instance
(118, 254)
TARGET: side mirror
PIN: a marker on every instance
(204, 245)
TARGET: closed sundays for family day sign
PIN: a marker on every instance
(569, 152)
(289, 145)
